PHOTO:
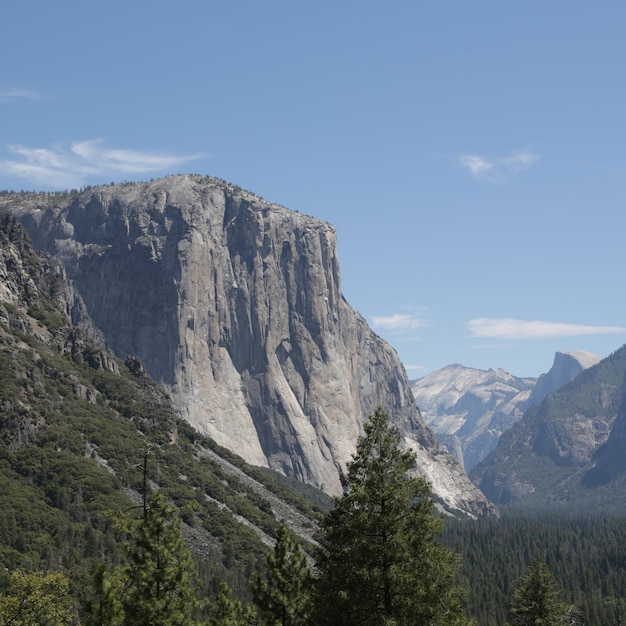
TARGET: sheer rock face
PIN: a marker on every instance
(234, 305)
(561, 447)
(566, 366)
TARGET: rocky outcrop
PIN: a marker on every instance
(610, 461)
(468, 409)
(235, 306)
(566, 366)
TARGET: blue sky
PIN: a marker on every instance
(470, 154)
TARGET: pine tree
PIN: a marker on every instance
(536, 600)
(104, 608)
(382, 562)
(157, 584)
(226, 611)
(283, 596)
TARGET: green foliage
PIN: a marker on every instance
(536, 600)
(283, 595)
(585, 552)
(382, 562)
(49, 315)
(104, 607)
(37, 599)
(156, 582)
(228, 611)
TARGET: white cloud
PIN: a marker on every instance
(497, 170)
(507, 328)
(414, 368)
(10, 94)
(400, 322)
(60, 167)
(477, 165)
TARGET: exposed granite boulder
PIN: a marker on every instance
(234, 305)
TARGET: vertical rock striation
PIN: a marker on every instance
(235, 306)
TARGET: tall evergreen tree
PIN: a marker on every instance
(283, 596)
(536, 599)
(157, 584)
(382, 562)
(104, 607)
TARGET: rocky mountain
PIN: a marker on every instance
(468, 409)
(568, 443)
(234, 306)
(77, 429)
(609, 460)
(566, 366)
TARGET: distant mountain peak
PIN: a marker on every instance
(469, 408)
(569, 444)
(566, 366)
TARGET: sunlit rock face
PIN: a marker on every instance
(234, 305)
(566, 366)
(469, 409)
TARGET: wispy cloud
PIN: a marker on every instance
(11, 94)
(498, 169)
(399, 322)
(507, 328)
(414, 368)
(61, 167)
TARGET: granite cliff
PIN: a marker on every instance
(468, 409)
(234, 305)
(566, 366)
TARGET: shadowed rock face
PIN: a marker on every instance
(234, 305)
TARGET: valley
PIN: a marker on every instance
(145, 345)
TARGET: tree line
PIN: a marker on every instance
(380, 562)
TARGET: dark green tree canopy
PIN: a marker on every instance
(283, 596)
(381, 561)
(536, 600)
(156, 582)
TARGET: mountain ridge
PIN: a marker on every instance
(469, 409)
(78, 427)
(554, 453)
(234, 305)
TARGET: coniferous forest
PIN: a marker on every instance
(585, 553)
(114, 511)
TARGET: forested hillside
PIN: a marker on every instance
(84, 437)
(557, 453)
(76, 429)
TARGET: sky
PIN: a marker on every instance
(469, 154)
